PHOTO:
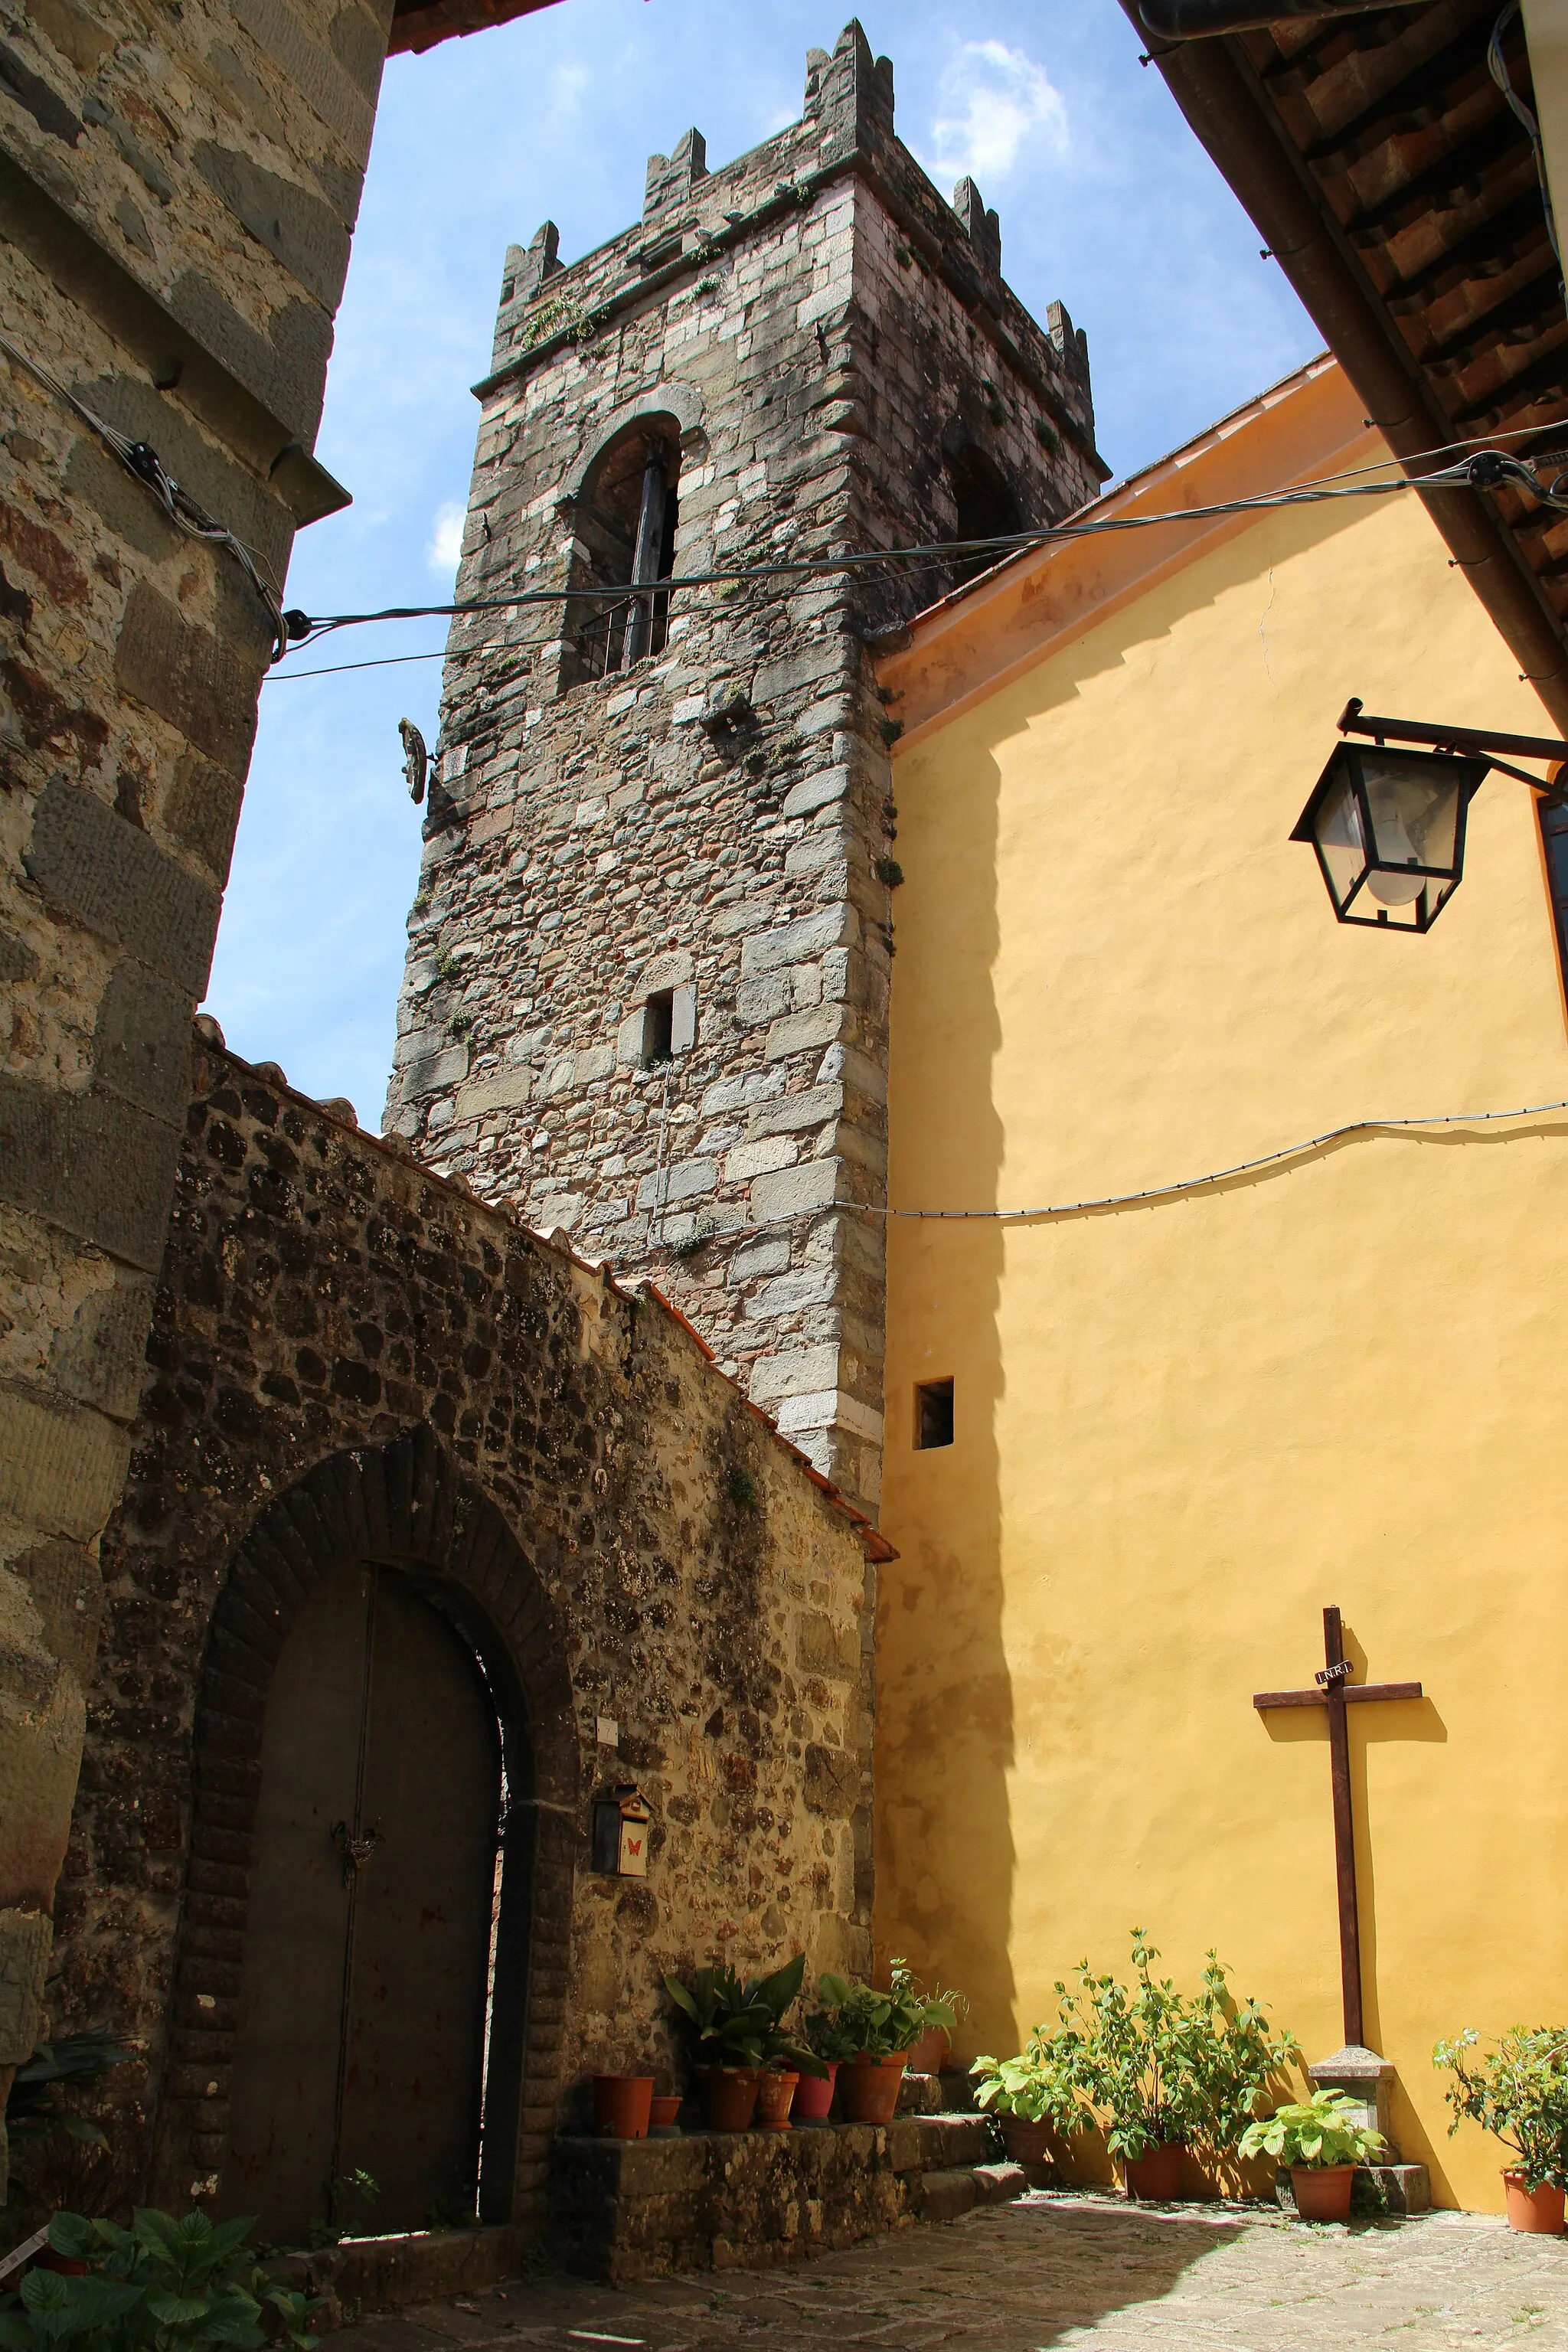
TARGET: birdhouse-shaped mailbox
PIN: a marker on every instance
(620, 1832)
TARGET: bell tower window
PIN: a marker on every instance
(626, 522)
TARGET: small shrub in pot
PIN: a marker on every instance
(1519, 2094)
(1322, 2142)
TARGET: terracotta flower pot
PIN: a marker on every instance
(1157, 2175)
(1026, 2142)
(813, 2094)
(868, 2089)
(46, 2259)
(775, 2090)
(727, 2096)
(663, 2112)
(1323, 2191)
(1537, 2213)
(929, 2054)
(621, 2104)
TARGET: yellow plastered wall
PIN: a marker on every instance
(1183, 1429)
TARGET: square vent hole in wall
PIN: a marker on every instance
(934, 1414)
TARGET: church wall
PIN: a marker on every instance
(1183, 1429)
(325, 1302)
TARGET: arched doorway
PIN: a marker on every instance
(360, 2033)
(383, 1996)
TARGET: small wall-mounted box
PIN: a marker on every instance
(621, 1821)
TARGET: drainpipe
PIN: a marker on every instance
(1191, 20)
(1215, 86)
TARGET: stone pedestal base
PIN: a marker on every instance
(1391, 2187)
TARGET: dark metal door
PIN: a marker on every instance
(360, 2031)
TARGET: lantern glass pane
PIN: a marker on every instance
(1414, 814)
(1337, 829)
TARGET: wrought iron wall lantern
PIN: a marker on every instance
(1388, 825)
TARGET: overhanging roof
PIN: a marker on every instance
(420, 23)
(1400, 196)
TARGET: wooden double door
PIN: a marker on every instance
(359, 2048)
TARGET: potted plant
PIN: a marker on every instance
(1519, 2094)
(1165, 2072)
(1032, 2097)
(622, 2106)
(1322, 2141)
(879, 2029)
(831, 2043)
(1129, 2051)
(929, 2054)
(734, 2028)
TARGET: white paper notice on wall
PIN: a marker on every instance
(609, 1732)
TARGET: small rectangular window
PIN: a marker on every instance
(659, 1028)
(934, 1414)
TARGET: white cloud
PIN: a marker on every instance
(996, 101)
(446, 539)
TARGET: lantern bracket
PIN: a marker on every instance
(1477, 740)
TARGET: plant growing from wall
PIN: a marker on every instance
(729, 2020)
(1519, 2093)
(161, 2285)
(1315, 2132)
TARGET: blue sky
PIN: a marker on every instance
(1108, 203)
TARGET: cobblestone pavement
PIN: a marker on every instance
(1055, 2271)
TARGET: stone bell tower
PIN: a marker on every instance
(648, 980)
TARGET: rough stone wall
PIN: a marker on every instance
(177, 188)
(822, 332)
(326, 1307)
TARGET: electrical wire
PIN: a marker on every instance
(187, 514)
(1222, 1175)
(1488, 469)
(1186, 1185)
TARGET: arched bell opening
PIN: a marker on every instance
(626, 522)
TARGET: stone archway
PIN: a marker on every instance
(403, 1506)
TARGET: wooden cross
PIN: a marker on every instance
(1333, 1689)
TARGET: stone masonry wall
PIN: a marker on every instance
(823, 335)
(177, 189)
(340, 1340)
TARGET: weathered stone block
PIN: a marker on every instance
(99, 1168)
(111, 876)
(805, 1033)
(199, 682)
(60, 1465)
(798, 942)
(794, 1191)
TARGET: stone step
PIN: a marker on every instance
(947, 2141)
(949, 2193)
(920, 2095)
(957, 2091)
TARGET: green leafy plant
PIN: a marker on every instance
(35, 2109)
(161, 2285)
(889, 871)
(1039, 2086)
(1318, 2131)
(861, 2021)
(1518, 2094)
(728, 2021)
(741, 1487)
(1157, 2067)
